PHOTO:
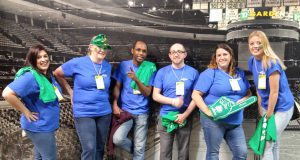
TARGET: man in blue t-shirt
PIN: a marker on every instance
(133, 99)
(173, 86)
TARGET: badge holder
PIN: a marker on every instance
(99, 82)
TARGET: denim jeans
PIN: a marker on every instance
(183, 140)
(234, 135)
(140, 128)
(282, 119)
(44, 145)
(92, 133)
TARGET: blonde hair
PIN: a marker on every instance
(269, 55)
(213, 63)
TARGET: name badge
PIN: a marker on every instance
(99, 82)
(58, 94)
(262, 79)
(234, 84)
(179, 88)
(135, 91)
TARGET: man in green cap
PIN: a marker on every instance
(133, 87)
(90, 98)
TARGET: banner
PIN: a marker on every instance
(280, 12)
(232, 14)
(215, 15)
(272, 3)
(235, 4)
(254, 3)
(290, 2)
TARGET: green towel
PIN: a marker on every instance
(265, 131)
(144, 73)
(224, 107)
(168, 121)
(47, 93)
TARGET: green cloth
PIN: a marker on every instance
(224, 107)
(144, 74)
(265, 131)
(47, 93)
(168, 121)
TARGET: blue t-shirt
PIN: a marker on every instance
(88, 101)
(27, 88)
(285, 97)
(166, 79)
(132, 103)
(214, 83)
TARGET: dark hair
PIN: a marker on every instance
(134, 44)
(213, 63)
(32, 54)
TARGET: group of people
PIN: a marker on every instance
(178, 87)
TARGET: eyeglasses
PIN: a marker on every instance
(139, 50)
(179, 52)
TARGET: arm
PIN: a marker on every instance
(259, 104)
(11, 97)
(197, 98)
(116, 93)
(248, 94)
(158, 97)
(145, 90)
(59, 74)
(274, 90)
(181, 117)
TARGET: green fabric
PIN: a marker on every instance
(47, 93)
(224, 107)
(265, 131)
(144, 74)
(168, 121)
(101, 41)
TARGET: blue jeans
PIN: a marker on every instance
(282, 119)
(140, 128)
(92, 133)
(44, 145)
(214, 132)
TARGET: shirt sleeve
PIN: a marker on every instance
(205, 81)
(274, 67)
(250, 63)
(151, 81)
(245, 80)
(118, 73)
(24, 85)
(158, 81)
(69, 67)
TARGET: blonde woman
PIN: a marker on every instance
(273, 92)
(91, 107)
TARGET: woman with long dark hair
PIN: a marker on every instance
(222, 78)
(35, 93)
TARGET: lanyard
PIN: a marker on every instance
(261, 72)
(98, 72)
(176, 74)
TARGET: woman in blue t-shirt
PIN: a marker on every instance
(273, 92)
(90, 99)
(222, 78)
(38, 90)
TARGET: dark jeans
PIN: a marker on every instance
(182, 137)
(92, 133)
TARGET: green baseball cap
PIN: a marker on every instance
(100, 41)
